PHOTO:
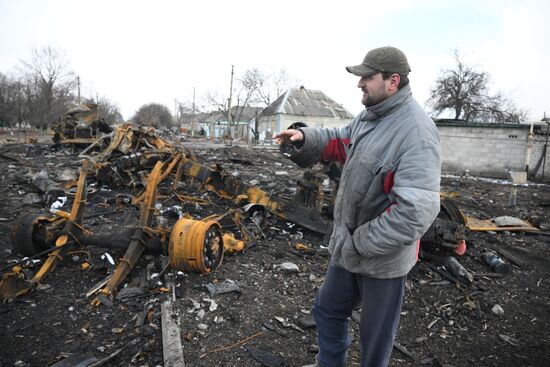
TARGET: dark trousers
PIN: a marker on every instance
(380, 300)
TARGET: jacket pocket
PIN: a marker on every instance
(350, 256)
(367, 193)
(360, 174)
(376, 172)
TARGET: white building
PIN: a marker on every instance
(313, 107)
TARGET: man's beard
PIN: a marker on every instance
(373, 100)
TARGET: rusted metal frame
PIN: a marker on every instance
(196, 170)
(224, 184)
(179, 172)
(97, 142)
(258, 196)
(246, 235)
(236, 218)
(149, 145)
(115, 142)
(176, 158)
(161, 143)
(139, 238)
(184, 198)
(77, 233)
(76, 216)
(78, 141)
(227, 186)
(218, 217)
(309, 218)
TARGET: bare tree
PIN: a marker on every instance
(276, 85)
(109, 111)
(12, 103)
(189, 114)
(269, 90)
(254, 88)
(48, 85)
(246, 95)
(465, 91)
(42, 92)
(153, 114)
(186, 108)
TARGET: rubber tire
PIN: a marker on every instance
(22, 235)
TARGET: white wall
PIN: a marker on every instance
(488, 149)
(536, 154)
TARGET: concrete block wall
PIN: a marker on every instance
(483, 149)
(537, 148)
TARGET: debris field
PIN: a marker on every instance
(249, 304)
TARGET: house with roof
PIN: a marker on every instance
(214, 124)
(313, 107)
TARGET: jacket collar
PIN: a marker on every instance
(388, 105)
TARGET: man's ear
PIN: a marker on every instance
(394, 81)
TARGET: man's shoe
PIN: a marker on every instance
(313, 365)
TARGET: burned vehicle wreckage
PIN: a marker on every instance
(139, 160)
(80, 126)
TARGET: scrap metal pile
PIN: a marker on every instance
(150, 182)
(81, 125)
(159, 175)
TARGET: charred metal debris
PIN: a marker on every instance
(82, 125)
(155, 187)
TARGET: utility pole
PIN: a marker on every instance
(175, 111)
(193, 117)
(194, 100)
(78, 87)
(229, 117)
(545, 149)
(529, 149)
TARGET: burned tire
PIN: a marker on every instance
(28, 234)
(449, 211)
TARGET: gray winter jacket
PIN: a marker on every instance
(389, 188)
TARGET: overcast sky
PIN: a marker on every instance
(137, 52)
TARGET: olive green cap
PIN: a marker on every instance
(382, 60)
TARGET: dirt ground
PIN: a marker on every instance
(263, 318)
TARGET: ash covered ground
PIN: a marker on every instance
(263, 318)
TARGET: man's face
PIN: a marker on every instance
(375, 89)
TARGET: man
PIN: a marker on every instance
(387, 198)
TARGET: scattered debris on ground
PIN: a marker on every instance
(138, 238)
